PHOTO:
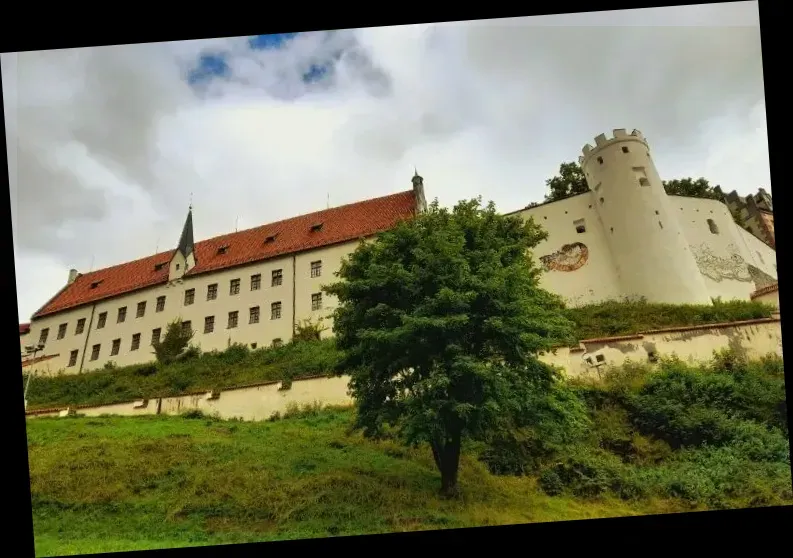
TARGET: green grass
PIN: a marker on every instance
(239, 366)
(615, 318)
(233, 367)
(112, 483)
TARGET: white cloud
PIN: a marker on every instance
(107, 145)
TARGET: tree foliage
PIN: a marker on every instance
(440, 320)
(693, 188)
(569, 182)
(174, 344)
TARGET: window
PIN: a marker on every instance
(122, 315)
(644, 182)
(209, 324)
(712, 226)
(601, 201)
(223, 249)
(116, 347)
(625, 149)
(100, 322)
(160, 304)
(652, 356)
(135, 342)
(234, 287)
(187, 326)
(316, 269)
(580, 227)
(177, 267)
(254, 345)
(155, 336)
(316, 301)
(80, 326)
(600, 160)
(256, 282)
(95, 352)
(275, 311)
(212, 291)
(43, 335)
(62, 331)
(600, 358)
(141, 311)
(278, 277)
(254, 315)
(277, 342)
(316, 227)
(233, 319)
(189, 297)
(72, 358)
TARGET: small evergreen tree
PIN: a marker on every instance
(174, 344)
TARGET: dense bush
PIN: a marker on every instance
(713, 435)
(237, 365)
(635, 316)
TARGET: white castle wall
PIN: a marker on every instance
(754, 338)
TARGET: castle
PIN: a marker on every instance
(624, 238)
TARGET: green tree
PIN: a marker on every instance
(440, 321)
(174, 344)
(569, 182)
(694, 188)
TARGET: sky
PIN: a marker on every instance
(108, 146)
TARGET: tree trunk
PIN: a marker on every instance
(449, 466)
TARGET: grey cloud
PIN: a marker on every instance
(111, 142)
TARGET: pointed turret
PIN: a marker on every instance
(184, 257)
(418, 192)
(186, 240)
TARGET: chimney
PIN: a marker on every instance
(72, 276)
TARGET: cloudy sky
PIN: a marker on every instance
(106, 145)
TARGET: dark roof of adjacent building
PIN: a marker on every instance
(305, 232)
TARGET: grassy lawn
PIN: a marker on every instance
(111, 484)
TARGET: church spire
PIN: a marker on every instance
(418, 192)
(186, 240)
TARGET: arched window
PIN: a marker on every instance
(712, 226)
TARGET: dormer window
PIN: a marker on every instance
(223, 249)
(270, 238)
(316, 227)
(159, 266)
(95, 284)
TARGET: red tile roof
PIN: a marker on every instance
(24, 328)
(765, 290)
(339, 224)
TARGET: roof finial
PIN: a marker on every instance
(190, 207)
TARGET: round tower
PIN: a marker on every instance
(652, 255)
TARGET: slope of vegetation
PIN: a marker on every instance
(239, 365)
(674, 439)
(628, 317)
(714, 435)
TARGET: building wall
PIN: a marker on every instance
(755, 339)
(579, 266)
(24, 340)
(296, 267)
(723, 256)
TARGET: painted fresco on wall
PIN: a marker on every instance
(569, 258)
(719, 268)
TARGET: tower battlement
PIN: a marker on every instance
(619, 134)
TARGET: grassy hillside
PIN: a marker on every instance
(673, 439)
(147, 482)
(238, 365)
